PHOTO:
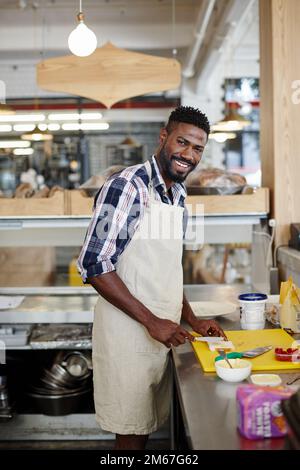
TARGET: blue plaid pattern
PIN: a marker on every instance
(125, 195)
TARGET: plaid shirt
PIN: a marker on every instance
(122, 192)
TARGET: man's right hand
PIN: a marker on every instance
(167, 332)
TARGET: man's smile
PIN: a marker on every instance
(181, 164)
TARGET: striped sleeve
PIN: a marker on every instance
(117, 212)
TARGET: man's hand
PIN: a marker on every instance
(167, 332)
(208, 328)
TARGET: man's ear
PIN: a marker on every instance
(163, 135)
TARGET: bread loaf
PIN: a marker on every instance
(215, 178)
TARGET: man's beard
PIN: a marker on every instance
(166, 164)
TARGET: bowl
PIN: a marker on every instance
(241, 369)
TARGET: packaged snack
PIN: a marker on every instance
(260, 414)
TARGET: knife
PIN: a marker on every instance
(209, 339)
(250, 353)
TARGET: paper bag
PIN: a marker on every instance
(290, 306)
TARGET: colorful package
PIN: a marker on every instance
(259, 411)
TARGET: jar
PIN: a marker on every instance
(252, 311)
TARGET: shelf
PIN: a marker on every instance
(71, 230)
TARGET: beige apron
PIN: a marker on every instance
(131, 369)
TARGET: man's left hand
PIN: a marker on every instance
(208, 328)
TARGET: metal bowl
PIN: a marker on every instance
(58, 405)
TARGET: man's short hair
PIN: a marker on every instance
(188, 115)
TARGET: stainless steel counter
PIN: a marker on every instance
(76, 305)
(208, 404)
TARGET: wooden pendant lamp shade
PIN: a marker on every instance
(109, 75)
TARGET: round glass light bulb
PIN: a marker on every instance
(82, 41)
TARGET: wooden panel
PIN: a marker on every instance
(30, 266)
(109, 74)
(79, 204)
(33, 206)
(280, 116)
(233, 204)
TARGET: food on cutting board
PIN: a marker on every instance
(225, 345)
(289, 354)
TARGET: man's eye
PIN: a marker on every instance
(181, 142)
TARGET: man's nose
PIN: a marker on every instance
(187, 153)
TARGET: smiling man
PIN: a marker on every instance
(139, 279)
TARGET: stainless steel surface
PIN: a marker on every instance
(207, 403)
(76, 305)
(59, 308)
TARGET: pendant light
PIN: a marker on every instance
(37, 135)
(232, 121)
(82, 41)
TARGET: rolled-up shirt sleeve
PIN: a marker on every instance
(116, 214)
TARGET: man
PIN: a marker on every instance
(132, 257)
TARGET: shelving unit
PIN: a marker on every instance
(70, 230)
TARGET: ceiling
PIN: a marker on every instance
(204, 32)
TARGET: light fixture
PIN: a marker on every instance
(85, 126)
(22, 118)
(37, 135)
(5, 109)
(74, 116)
(27, 151)
(221, 137)
(5, 128)
(82, 41)
(53, 127)
(12, 144)
(129, 142)
(232, 121)
(23, 127)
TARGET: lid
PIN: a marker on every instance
(254, 297)
(271, 380)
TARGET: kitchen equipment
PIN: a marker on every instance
(240, 370)
(244, 340)
(251, 353)
(210, 309)
(224, 356)
(76, 364)
(58, 405)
